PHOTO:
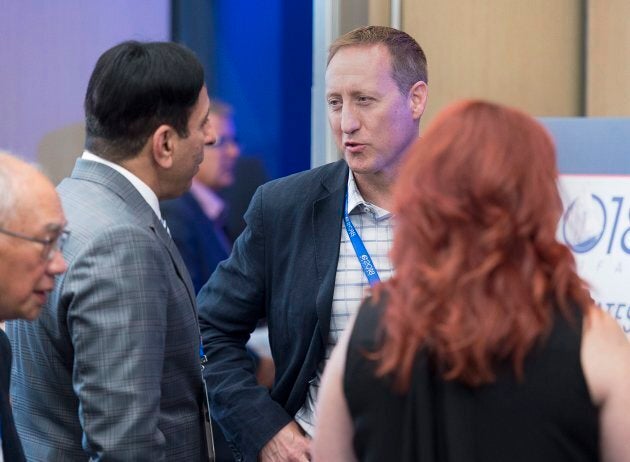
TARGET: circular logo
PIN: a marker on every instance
(584, 223)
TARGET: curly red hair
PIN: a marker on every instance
(479, 271)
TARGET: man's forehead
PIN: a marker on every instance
(41, 207)
(360, 63)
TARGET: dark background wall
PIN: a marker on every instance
(257, 56)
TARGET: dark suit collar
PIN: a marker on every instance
(335, 177)
(327, 216)
(192, 203)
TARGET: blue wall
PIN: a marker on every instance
(591, 145)
(258, 59)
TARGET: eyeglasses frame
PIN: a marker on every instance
(51, 244)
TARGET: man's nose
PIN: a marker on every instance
(57, 264)
(350, 123)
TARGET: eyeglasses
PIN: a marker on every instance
(51, 244)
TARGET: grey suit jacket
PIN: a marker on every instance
(111, 369)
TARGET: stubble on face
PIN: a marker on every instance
(189, 153)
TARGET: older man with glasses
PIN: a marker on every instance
(51, 244)
(32, 234)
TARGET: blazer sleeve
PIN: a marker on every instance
(117, 296)
(230, 306)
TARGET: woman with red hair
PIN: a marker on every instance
(485, 345)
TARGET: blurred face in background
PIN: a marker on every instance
(217, 169)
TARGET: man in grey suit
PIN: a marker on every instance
(111, 371)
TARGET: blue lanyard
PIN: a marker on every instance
(359, 248)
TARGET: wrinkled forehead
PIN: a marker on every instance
(39, 208)
(354, 68)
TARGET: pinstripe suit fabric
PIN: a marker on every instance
(111, 369)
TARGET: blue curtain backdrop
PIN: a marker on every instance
(257, 56)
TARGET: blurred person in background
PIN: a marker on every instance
(32, 234)
(196, 219)
(485, 345)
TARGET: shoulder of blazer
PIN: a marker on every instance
(99, 174)
(183, 206)
(324, 179)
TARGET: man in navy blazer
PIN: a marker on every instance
(32, 233)
(292, 264)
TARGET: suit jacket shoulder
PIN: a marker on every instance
(305, 187)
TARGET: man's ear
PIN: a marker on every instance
(163, 144)
(418, 98)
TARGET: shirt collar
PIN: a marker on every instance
(211, 204)
(356, 203)
(145, 191)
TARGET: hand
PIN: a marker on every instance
(288, 445)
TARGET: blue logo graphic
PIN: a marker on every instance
(584, 223)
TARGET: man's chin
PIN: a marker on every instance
(32, 312)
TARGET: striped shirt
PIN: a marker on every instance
(375, 227)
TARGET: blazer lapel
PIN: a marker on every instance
(327, 217)
(99, 173)
(180, 267)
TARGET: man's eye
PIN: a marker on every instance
(334, 103)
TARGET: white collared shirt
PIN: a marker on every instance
(375, 227)
(147, 193)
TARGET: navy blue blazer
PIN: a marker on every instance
(195, 236)
(282, 267)
(11, 446)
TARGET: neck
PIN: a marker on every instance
(376, 189)
(142, 167)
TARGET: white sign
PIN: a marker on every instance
(596, 226)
